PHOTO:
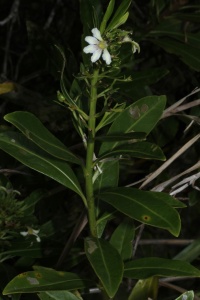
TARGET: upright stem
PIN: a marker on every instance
(90, 155)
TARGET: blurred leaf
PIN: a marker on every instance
(57, 295)
(139, 149)
(6, 87)
(106, 262)
(154, 266)
(146, 207)
(107, 15)
(145, 289)
(30, 155)
(141, 116)
(191, 17)
(120, 15)
(31, 201)
(122, 239)
(91, 14)
(188, 54)
(189, 253)
(24, 249)
(34, 130)
(142, 78)
(186, 296)
(44, 279)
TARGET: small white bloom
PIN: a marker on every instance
(31, 231)
(135, 46)
(97, 46)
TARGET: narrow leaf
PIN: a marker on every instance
(34, 130)
(44, 279)
(121, 11)
(122, 137)
(122, 239)
(107, 15)
(106, 262)
(141, 116)
(57, 295)
(145, 289)
(139, 149)
(154, 266)
(186, 296)
(145, 207)
(188, 54)
(30, 155)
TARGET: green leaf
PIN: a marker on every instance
(34, 130)
(35, 158)
(122, 239)
(141, 79)
(106, 175)
(139, 149)
(154, 266)
(186, 296)
(191, 17)
(190, 253)
(107, 15)
(24, 249)
(145, 289)
(146, 207)
(121, 137)
(142, 116)
(106, 262)
(110, 115)
(44, 279)
(120, 15)
(57, 295)
(188, 54)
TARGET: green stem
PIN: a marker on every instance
(90, 155)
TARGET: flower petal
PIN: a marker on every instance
(90, 49)
(96, 55)
(24, 233)
(106, 56)
(91, 40)
(96, 33)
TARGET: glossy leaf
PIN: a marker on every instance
(154, 266)
(30, 155)
(186, 296)
(44, 279)
(141, 116)
(116, 21)
(107, 15)
(57, 295)
(34, 130)
(145, 207)
(106, 262)
(139, 149)
(145, 289)
(188, 54)
(122, 239)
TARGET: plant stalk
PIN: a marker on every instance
(90, 155)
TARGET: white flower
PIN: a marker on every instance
(97, 46)
(135, 46)
(31, 231)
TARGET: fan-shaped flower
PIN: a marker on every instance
(97, 46)
(31, 231)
